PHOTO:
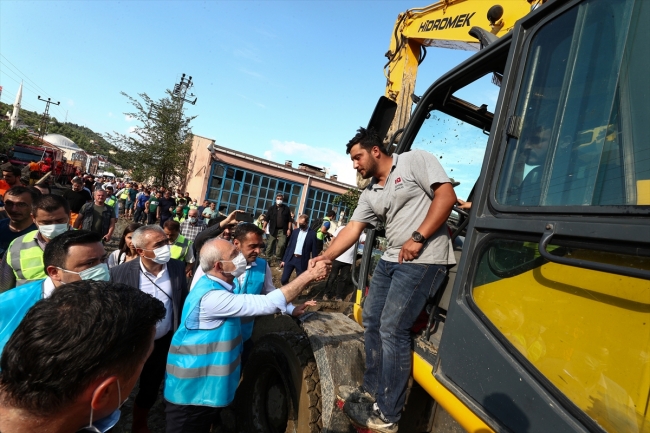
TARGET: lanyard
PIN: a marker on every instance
(157, 286)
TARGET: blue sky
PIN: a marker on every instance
(277, 79)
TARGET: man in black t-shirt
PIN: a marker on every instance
(166, 207)
(76, 197)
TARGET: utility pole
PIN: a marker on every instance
(180, 92)
(47, 101)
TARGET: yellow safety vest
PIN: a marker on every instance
(25, 257)
(179, 219)
(180, 247)
(110, 201)
(124, 195)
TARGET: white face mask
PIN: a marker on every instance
(50, 231)
(278, 202)
(192, 220)
(163, 254)
(240, 265)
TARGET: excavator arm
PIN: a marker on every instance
(444, 24)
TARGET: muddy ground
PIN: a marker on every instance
(268, 324)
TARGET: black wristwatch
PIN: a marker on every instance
(417, 237)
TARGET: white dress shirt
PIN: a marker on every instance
(218, 305)
(268, 283)
(300, 242)
(160, 287)
(48, 287)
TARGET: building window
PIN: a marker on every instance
(319, 202)
(233, 188)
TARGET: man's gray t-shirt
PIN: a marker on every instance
(402, 204)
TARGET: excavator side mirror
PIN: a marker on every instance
(383, 116)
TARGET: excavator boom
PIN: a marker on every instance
(444, 24)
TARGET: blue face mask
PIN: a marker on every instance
(96, 273)
(108, 422)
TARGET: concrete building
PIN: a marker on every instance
(237, 180)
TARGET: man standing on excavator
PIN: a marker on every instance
(412, 196)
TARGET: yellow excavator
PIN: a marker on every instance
(445, 24)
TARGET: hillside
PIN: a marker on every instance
(79, 134)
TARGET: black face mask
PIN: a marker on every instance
(303, 226)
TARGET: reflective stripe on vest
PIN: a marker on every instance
(179, 247)
(110, 201)
(179, 220)
(253, 285)
(203, 365)
(25, 257)
(319, 234)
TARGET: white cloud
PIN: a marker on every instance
(337, 162)
(131, 130)
(252, 73)
(129, 118)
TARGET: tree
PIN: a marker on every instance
(349, 200)
(159, 146)
(13, 137)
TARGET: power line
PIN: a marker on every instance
(17, 72)
(23, 74)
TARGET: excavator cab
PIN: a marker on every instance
(543, 327)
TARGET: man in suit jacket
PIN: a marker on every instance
(301, 247)
(154, 273)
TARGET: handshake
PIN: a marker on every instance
(319, 268)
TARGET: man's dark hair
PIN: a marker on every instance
(77, 180)
(243, 229)
(331, 214)
(172, 226)
(56, 250)
(279, 195)
(367, 139)
(20, 190)
(50, 203)
(13, 170)
(86, 330)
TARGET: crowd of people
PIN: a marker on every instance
(175, 303)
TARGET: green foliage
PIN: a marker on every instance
(12, 137)
(348, 200)
(159, 147)
(84, 137)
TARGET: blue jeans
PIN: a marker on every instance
(388, 328)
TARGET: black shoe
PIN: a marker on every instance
(366, 415)
(354, 394)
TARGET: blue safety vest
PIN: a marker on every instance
(253, 285)
(203, 364)
(14, 304)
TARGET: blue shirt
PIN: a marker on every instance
(7, 235)
(300, 242)
(142, 199)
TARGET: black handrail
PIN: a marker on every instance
(586, 264)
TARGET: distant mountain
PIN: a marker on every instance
(81, 135)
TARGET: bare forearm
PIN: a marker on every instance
(295, 287)
(439, 210)
(345, 239)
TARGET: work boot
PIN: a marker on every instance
(140, 420)
(369, 416)
(354, 394)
